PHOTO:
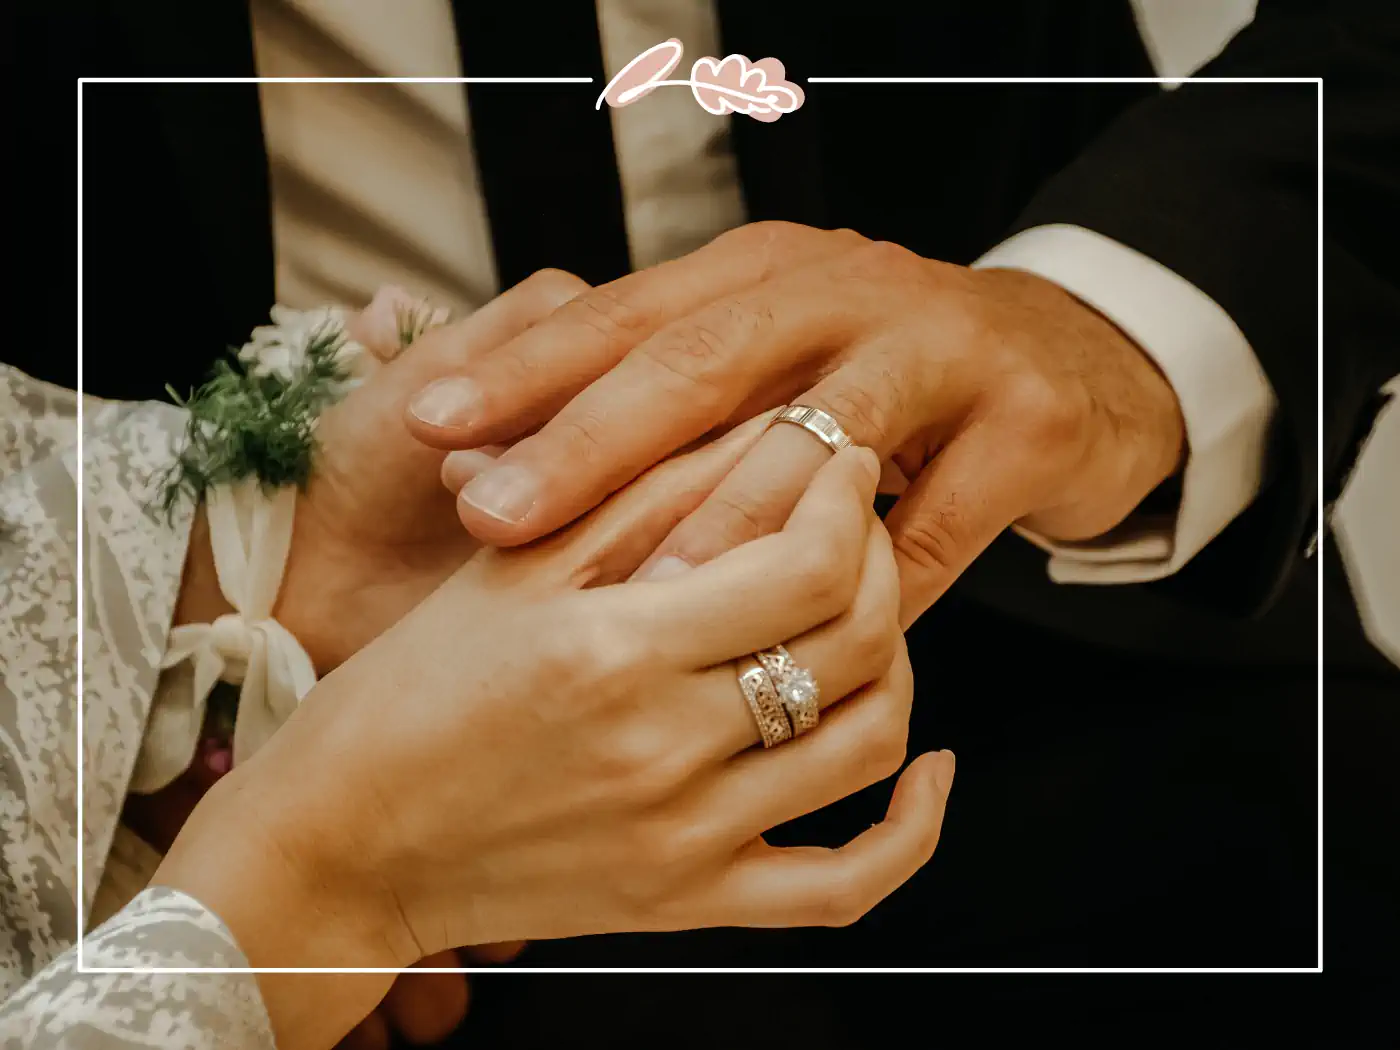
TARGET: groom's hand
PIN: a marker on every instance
(1000, 396)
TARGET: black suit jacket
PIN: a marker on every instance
(1218, 182)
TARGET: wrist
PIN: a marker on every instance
(247, 857)
(1164, 424)
(1124, 380)
(300, 606)
(1131, 436)
(321, 601)
(201, 600)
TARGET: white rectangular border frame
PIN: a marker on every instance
(1162, 81)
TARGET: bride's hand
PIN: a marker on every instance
(529, 756)
(374, 534)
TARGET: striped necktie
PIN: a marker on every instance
(546, 159)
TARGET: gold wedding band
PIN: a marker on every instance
(819, 424)
(796, 687)
(764, 703)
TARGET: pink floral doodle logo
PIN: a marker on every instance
(735, 85)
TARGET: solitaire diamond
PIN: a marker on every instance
(801, 686)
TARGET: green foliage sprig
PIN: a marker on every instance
(246, 422)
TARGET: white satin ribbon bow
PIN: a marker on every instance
(250, 533)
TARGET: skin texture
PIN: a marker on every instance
(998, 397)
(580, 760)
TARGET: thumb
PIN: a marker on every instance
(951, 513)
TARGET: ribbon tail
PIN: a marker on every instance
(175, 723)
(290, 671)
(271, 541)
(184, 642)
(280, 673)
(255, 723)
(222, 506)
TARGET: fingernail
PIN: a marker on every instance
(446, 403)
(506, 493)
(943, 768)
(662, 569)
(461, 466)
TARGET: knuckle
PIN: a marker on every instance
(698, 354)
(581, 672)
(516, 367)
(780, 228)
(874, 641)
(553, 287)
(562, 656)
(629, 763)
(705, 346)
(674, 848)
(824, 580)
(934, 541)
(764, 233)
(658, 853)
(885, 748)
(776, 243)
(850, 238)
(845, 901)
(616, 320)
(584, 435)
(610, 658)
(865, 414)
(885, 261)
(1047, 412)
(740, 517)
(662, 772)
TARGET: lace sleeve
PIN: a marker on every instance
(133, 558)
(61, 1008)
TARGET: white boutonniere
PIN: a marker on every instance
(282, 348)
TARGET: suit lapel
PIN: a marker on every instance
(546, 160)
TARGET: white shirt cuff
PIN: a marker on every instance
(1226, 400)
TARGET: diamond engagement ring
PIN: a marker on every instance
(796, 687)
